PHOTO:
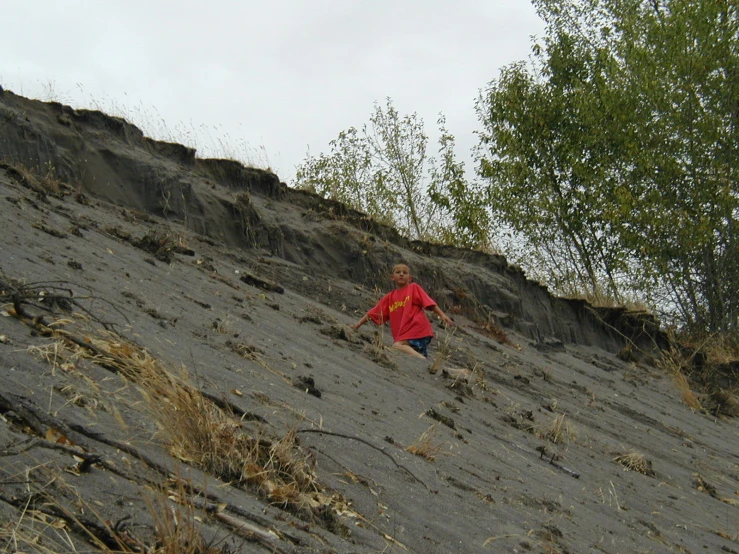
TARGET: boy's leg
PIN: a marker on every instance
(403, 346)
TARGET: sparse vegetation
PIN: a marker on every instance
(491, 329)
(162, 243)
(196, 430)
(443, 352)
(48, 524)
(425, 445)
(558, 431)
(42, 180)
(635, 461)
(676, 364)
(200, 433)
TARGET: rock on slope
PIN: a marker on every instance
(177, 368)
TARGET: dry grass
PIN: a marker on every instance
(199, 432)
(601, 299)
(478, 378)
(376, 350)
(36, 532)
(725, 402)
(223, 326)
(717, 348)
(425, 446)
(178, 528)
(42, 180)
(443, 352)
(46, 525)
(161, 243)
(491, 329)
(635, 461)
(558, 431)
(676, 364)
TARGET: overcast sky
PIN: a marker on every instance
(264, 79)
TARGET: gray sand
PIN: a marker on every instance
(255, 305)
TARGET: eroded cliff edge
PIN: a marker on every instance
(251, 209)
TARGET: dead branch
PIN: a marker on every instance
(360, 439)
(48, 296)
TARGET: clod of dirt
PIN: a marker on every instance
(260, 283)
(340, 332)
(448, 421)
(308, 384)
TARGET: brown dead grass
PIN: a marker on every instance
(677, 364)
(492, 330)
(558, 431)
(42, 180)
(199, 432)
(635, 461)
(425, 445)
(725, 402)
(46, 525)
(718, 348)
(176, 522)
(443, 352)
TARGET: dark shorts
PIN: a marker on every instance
(420, 345)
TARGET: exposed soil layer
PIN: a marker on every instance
(135, 275)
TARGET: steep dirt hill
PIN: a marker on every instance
(177, 372)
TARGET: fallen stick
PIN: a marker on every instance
(566, 470)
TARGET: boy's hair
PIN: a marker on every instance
(402, 263)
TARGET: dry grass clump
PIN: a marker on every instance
(160, 243)
(558, 431)
(599, 298)
(717, 348)
(492, 330)
(676, 364)
(36, 532)
(45, 524)
(200, 433)
(376, 350)
(43, 181)
(635, 461)
(425, 446)
(177, 527)
(725, 402)
(443, 353)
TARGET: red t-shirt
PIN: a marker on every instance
(404, 309)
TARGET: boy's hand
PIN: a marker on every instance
(447, 320)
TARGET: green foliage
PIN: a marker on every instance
(614, 153)
(384, 171)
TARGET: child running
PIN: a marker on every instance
(404, 309)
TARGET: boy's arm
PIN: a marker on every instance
(358, 324)
(446, 319)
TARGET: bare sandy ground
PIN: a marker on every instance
(556, 444)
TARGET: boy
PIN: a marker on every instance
(404, 308)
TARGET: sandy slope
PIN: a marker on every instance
(255, 304)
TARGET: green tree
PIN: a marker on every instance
(615, 152)
(383, 170)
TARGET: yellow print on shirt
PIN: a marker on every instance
(399, 304)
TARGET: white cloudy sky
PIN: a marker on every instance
(264, 79)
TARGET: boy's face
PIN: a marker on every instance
(401, 275)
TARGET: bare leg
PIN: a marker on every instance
(403, 346)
